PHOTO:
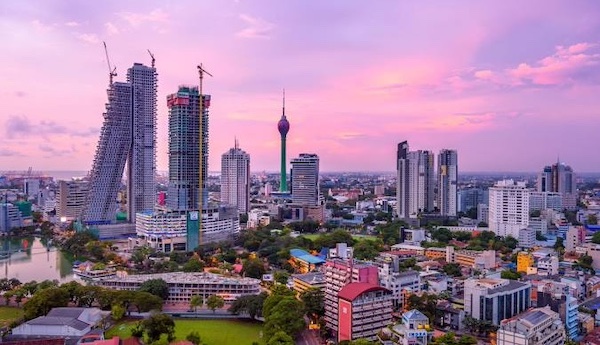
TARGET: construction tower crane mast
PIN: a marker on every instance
(152, 56)
(112, 72)
(201, 72)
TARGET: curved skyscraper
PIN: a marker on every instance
(283, 126)
(128, 135)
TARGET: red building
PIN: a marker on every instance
(363, 310)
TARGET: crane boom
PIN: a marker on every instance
(152, 56)
(112, 72)
(201, 72)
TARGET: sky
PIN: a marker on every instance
(512, 85)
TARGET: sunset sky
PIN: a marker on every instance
(512, 85)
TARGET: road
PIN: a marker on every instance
(308, 337)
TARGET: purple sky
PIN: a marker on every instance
(510, 84)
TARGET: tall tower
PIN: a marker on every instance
(184, 148)
(283, 126)
(235, 178)
(447, 180)
(128, 135)
(305, 179)
(415, 184)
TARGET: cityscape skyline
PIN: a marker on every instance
(509, 73)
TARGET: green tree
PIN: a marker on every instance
(452, 269)
(509, 274)
(253, 268)
(592, 219)
(250, 304)
(193, 265)
(117, 312)
(313, 302)
(158, 324)
(281, 338)
(145, 302)
(281, 277)
(196, 301)
(596, 237)
(367, 249)
(43, 301)
(286, 316)
(194, 338)
(157, 287)
(215, 302)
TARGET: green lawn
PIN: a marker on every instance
(8, 314)
(212, 332)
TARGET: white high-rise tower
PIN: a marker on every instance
(509, 208)
(235, 178)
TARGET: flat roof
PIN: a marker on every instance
(183, 278)
(305, 256)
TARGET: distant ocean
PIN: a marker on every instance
(69, 174)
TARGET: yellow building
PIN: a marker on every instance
(524, 261)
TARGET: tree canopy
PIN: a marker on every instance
(157, 287)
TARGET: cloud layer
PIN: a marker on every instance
(510, 85)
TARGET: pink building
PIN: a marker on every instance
(363, 310)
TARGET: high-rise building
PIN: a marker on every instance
(494, 300)
(31, 188)
(70, 198)
(559, 178)
(447, 182)
(128, 135)
(283, 126)
(184, 149)
(415, 183)
(508, 208)
(469, 198)
(235, 178)
(305, 179)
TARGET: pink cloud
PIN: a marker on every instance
(561, 68)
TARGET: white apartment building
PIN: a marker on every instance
(508, 208)
(545, 200)
(494, 300)
(305, 179)
(235, 178)
(165, 231)
(526, 238)
(415, 182)
(539, 326)
(71, 199)
(548, 265)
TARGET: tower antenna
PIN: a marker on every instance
(112, 72)
(283, 101)
(201, 72)
(152, 56)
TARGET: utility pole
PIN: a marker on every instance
(201, 72)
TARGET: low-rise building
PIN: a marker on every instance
(524, 261)
(163, 231)
(526, 238)
(539, 326)
(548, 265)
(414, 329)
(182, 286)
(307, 281)
(363, 309)
(65, 322)
(303, 261)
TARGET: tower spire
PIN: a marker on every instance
(283, 114)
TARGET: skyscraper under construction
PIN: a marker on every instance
(128, 136)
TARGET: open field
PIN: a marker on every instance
(9, 314)
(212, 332)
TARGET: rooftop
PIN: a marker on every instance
(305, 256)
(184, 277)
(352, 291)
(415, 315)
(311, 278)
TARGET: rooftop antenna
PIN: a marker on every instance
(112, 72)
(152, 56)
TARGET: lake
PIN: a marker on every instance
(32, 259)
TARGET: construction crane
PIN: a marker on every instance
(201, 72)
(112, 72)
(152, 56)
